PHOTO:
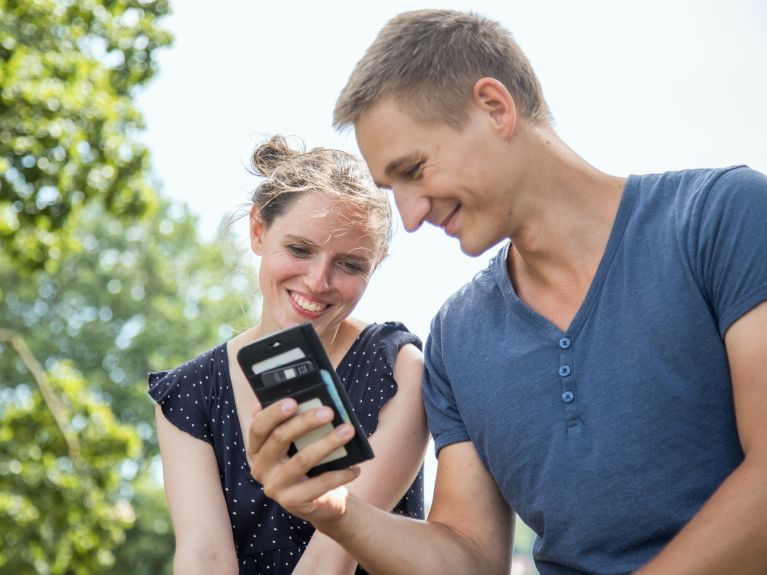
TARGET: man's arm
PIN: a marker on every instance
(469, 530)
(201, 524)
(729, 533)
(399, 443)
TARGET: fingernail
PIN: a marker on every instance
(324, 413)
(344, 430)
(287, 406)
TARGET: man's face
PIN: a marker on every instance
(448, 177)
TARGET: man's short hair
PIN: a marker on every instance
(430, 60)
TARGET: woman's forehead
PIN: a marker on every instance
(324, 221)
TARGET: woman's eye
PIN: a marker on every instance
(352, 267)
(298, 250)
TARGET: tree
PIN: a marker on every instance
(68, 71)
(60, 509)
(100, 282)
(138, 296)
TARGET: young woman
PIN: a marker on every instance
(320, 227)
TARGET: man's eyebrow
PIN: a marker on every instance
(396, 165)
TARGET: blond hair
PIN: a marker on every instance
(291, 173)
(430, 60)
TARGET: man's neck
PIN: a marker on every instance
(566, 210)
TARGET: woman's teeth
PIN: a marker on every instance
(307, 305)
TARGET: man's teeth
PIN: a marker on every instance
(307, 305)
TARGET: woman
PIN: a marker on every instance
(320, 227)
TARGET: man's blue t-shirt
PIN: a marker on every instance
(608, 437)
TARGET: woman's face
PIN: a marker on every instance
(316, 260)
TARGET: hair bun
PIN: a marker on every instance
(268, 157)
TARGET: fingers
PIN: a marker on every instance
(299, 498)
(274, 429)
(265, 421)
(319, 499)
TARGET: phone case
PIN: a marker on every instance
(293, 363)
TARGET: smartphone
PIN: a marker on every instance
(293, 363)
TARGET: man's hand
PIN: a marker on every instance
(320, 500)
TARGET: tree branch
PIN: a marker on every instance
(51, 399)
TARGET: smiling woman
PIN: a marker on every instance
(320, 227)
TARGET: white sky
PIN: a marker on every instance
(634, 87)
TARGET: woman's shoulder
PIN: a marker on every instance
(202, 363)
(201, 375)
(390, 333)
(384, 340)
(186, 393)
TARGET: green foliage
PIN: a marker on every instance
(101, 281)
(60, 504)
(137, 296)
(68, 70)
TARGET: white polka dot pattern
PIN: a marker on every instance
(197, 397)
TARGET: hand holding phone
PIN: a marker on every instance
(293, 363)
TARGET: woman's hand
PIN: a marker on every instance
(320, 500)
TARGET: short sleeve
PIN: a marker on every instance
(445, 423)
(730, 237)
(184, 395)
(368, 369)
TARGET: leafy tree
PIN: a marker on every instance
(60, 508)
(136, 297)
(100, 281)
(68, 71)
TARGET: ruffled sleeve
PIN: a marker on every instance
(368, 369)
(185, 394)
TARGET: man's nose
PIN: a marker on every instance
(412, 207)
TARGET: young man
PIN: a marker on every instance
(605, 377)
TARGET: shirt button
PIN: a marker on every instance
(565, 342)
(564, 370)
(568, 397)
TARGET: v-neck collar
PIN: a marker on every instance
(525, 312)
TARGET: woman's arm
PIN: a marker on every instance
(399, 443)
(203, 531)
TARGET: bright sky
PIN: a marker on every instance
(635, 87)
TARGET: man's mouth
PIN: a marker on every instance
(446, 222)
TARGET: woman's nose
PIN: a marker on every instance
(319, 278)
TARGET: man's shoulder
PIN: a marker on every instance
(476, 297)
(699, 180)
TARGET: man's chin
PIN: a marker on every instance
(475, 250)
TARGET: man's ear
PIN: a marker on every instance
(492, 97)
(257, 229)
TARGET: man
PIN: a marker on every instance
(605, 377)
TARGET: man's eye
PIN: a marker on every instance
(413, 170)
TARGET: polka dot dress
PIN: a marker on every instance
(197, 397)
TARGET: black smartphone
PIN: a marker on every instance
(293, 363)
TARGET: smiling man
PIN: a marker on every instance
(605, 377)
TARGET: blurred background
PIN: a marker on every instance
(125, 133)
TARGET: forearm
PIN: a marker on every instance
(728, 535)
(385, 543)
(323, 556)
(204, 562)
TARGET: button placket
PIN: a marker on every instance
(566, 374)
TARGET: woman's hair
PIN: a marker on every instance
(290, 173)
(429, 60)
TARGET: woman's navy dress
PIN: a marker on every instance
(197, 398)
